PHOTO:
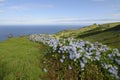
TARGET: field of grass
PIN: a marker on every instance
(20, 59)
(108, 34)
(112, 39)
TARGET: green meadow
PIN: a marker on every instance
(20, 59)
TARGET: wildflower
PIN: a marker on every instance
(61, 60)
(110, 56)
(113, 71)
(98, 53)
(115, 50)
(59, 51)
(69, 67)
(105, 65)
(82, 64)
(81, 50)
(77, 55)
(87, 42)
(84, 60)
(71, 56)
(118, 61)
(118, 54)
(44, 70)
(63, 57)
(97, 58)
(90, 53)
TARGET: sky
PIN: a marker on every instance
(54, 12)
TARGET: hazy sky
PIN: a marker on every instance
(58, 11)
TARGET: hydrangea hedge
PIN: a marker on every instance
(80, 59)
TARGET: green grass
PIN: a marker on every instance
(20, 59)
(75, 32)
(111, 39)
(108, 34)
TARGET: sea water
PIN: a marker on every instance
(17, 30)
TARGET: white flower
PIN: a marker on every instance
(70, 43)
(82, 64)
(87, 42)
(118, 61)
(44, 70)
(98, 53)
(80, 51)
(59, 51)
(87, 56)
(78, 55)
(69, 67)
(115, 50)
(113, 71)
(118, 54)
(63, 57)
(61, 60)
(84, 60)
(105, 65)
(110, 66)
(90, 53)
(71, 56)
(75, 59)
(97, 58)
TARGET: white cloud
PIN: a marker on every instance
(1, 11)
(116, 14)
(32, 6)
(17, 7)
(2, 0)
(33, 21)
(84, 20)
(66, 18)
(26, 21)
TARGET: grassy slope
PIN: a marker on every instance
(75, 32)
(20, 60)
(105, 33)
(109, 38)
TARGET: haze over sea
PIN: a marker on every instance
(18, 30)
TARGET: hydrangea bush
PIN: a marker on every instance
(79, 55)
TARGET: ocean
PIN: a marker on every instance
(18, 30)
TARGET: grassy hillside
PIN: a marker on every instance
(105, 33)
(109, 37)
(20, 59)
(75, 32)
